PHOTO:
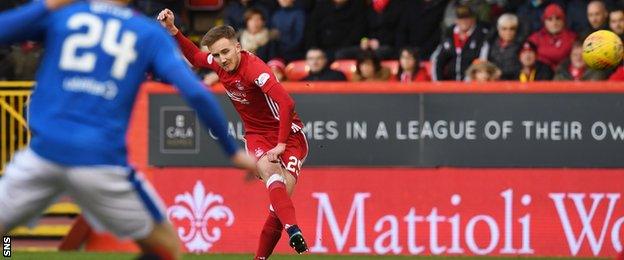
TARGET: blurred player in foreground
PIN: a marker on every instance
(272, 128)
(97, 54)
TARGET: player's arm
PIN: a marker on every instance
(286, 110)
(269, 85)
(192, 53)
(169, 66)
(22, 19)
(197, 57)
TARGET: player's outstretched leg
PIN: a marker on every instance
(296, 239)
(119, 200)
(280, 184)
(271, 233)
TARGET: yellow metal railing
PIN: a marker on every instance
(14, 133)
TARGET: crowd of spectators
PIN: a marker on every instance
(399, 40)
(430, 40)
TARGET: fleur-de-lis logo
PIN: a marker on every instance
(198, 208)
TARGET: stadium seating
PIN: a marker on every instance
(347, 67)
(393, 65)
(297, 70)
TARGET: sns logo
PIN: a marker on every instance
(262, 79)
(193, 212)
(6, 246)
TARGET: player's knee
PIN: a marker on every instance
(275, 178)
(266, 168)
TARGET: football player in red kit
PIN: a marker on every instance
(272, 128)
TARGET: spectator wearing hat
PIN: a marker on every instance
(484, 11)
(278, 66)
(466, 42)
(532, 69)
(616, 22)
(597, 16)
(575, 69)
(554, 41)
(482, 71)
(530, 14)
(316, 60)
(504, 48)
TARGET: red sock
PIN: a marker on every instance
(271, 233)
(282, 204)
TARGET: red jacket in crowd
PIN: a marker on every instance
(553, 49)
(618, 75)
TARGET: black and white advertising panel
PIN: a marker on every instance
(419, 130)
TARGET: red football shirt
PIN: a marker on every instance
(254, 91)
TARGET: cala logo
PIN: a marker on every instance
(197, 216)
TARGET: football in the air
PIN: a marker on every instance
(602, 50)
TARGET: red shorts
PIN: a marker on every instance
(292, 158)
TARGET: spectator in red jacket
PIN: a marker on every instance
(554, 41)
(618, 75)
(410, 69)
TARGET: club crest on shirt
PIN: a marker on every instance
(209, 59)
(259, 152)
(239, 85)
(262, 79)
